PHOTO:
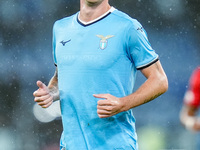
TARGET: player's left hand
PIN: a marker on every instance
(109, 105)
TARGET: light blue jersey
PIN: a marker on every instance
(99, 57)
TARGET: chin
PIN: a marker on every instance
(94, 1)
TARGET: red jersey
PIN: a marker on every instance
(192, 96)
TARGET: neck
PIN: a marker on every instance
(91, 11)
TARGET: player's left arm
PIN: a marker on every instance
(155, 85)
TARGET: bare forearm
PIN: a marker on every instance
(53, 87)
(155, 85)
(150, 90)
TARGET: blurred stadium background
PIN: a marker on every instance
(173, 28)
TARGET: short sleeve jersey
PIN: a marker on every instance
(99, 57)
(192, 95)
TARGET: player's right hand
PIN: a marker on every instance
(43, 96)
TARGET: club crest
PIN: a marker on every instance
(104, 41)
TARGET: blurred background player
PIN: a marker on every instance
(188, 114)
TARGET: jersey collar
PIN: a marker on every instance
(83, 23)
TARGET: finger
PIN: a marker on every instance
(41, 85)
(104, 116)
(107, 108)
(41, 98)
(101, 95)
(35, 93)
(47, 105)
(40, 93)
(46, 101)
(103, 112)
(104, 103)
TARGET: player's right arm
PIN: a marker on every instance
(46, 95)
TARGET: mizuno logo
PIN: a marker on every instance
(64, 42)
(104, 40)
(140, 29)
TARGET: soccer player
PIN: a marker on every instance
(97, 53)
(188, 114)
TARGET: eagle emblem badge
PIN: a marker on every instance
(104, 41)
